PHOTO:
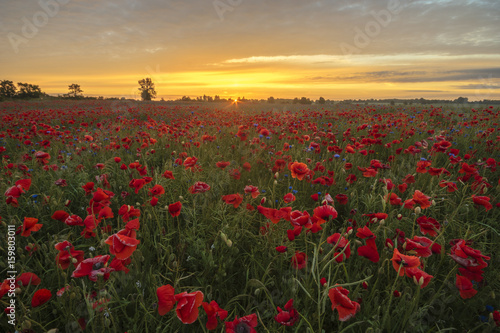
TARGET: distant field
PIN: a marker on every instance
(170, 217)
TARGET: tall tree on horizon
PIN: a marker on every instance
(147, 89)
(74, 90)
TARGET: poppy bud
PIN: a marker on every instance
(74, 260)
(263, 200)
(181, 197)
(382, 222)
(17, 291)
(399, 217)
(418, 210)
(275, 182)
(26, 325)
(223, 236)
(229, 243)
(433, 202)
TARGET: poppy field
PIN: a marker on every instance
(161, 217)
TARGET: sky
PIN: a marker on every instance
(337, 49)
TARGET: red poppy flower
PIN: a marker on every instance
(428, 225)
(168, 174)
(190, 163)
(482, 201)
(402, 187)
(213, 311)
(393, 199)
(175, 209)
(42, 157)
(368, 172)
(289, 316)
(127, 212)
(106, 213)
(281, 249)
(40, 297)
(233, 199)
(137, 184)
(421, 245)
(401, 262)
(420, 277)
(61, 182)
(253, 190)
(345, 307)
(222, 164)
(300, 219)
(422, 166)
(187, 306)
(299, 170)
(275, 215)
(244, 324)
(464, 286)
(325, 211)
(122, 246)
(28, 278)
(351, 179)
(299, 260)
(409, 179)
(60, 215)
(421, 199)
(166, 299)
(340, 244)
(157, 190)
(30, 225)
(89, 187)
(199, 187)
(342, 199)
(92, 268)
(289, 197)
(369, 251)
(247, 166)
(67, 253)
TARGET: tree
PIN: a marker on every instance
(7, 89)
(74, 90)
(27, 90)
(147, 89)
(271, 100)
(321, 100)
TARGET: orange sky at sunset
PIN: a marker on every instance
(254, 48)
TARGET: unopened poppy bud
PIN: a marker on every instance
(229, 243)
(54, 330)
(364, 285)
(26, 325)
(350, 231)
(276, 175)
(433, 202)
(17, 291)
(257, 292)
(492, 294)
(74, 260)
(358, 243)
(263, 200)
(404, 245)
(67, 202)
(421, 281)
(275, 182)
(399, 217)
(382, 222)
(418, 210)
(223, 236)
